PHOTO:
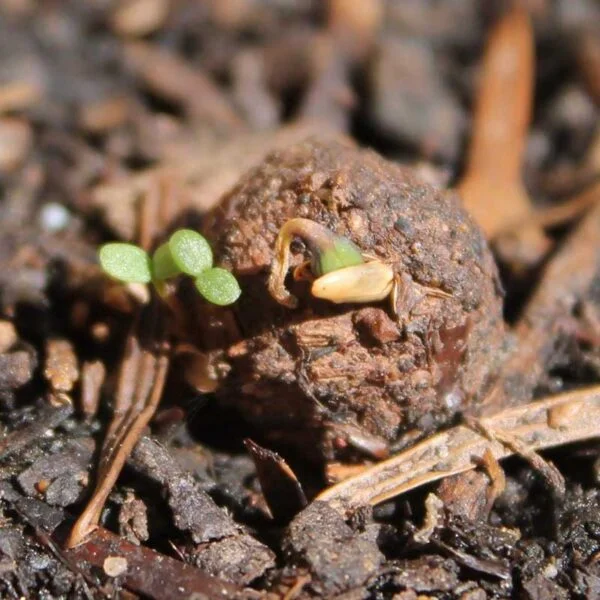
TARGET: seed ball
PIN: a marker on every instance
(326, 377)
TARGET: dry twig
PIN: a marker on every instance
(492, 187)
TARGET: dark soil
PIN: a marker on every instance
(123, 120)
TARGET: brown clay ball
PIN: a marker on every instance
(327, 377)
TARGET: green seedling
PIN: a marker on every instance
(185, 253)
(329, 252)
(125, 262)
(218, 286)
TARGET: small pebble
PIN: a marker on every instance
(54, 217)
(114, 566)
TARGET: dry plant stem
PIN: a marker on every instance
(453, 451)
(565, 281)
(496, 476)
(492, 188)
(547, 470)
(296, 589)
(140, 386)
(143, 371)
(149, 574)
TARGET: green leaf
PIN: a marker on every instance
(163, 265)
(342, 253)
(125, 262)
(218, 286)
(190, 252)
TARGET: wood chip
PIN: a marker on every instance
(92, 378)
(18, 95)
(8, 336)
(61, 365)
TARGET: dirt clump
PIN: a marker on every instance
(354, 371)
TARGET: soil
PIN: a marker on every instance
(125, 120)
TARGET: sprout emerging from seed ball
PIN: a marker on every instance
(329, 252)
(343, 274)
(318, 361)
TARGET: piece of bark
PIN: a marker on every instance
(61, 368)
(47, 418)
(222, 546)
(337, 557)
(280, 486)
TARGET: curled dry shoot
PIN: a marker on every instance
(300, 301)
(341, 273)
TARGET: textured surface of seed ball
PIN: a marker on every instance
(351, 375)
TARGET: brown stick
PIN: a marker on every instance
(148, 573)
(355, 24)
(492, 188)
